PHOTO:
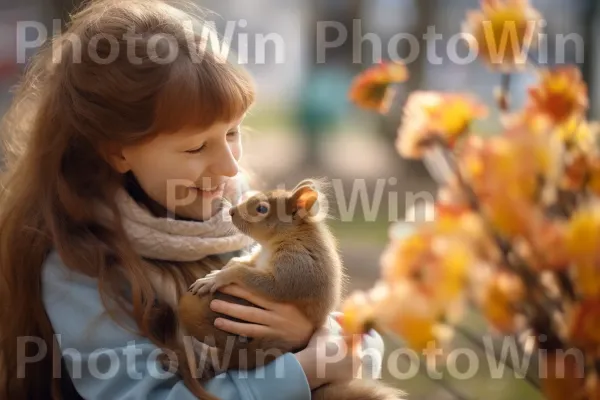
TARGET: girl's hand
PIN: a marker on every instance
(281, 321)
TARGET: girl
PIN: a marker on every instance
(122, 146)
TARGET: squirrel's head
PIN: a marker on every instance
(275, 212)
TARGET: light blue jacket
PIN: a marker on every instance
(105, 361)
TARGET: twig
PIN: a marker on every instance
(504, 95)
(566, 285)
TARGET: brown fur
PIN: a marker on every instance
(298, 263)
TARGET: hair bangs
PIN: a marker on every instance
(199, 94)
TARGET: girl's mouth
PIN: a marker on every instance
(209, 192)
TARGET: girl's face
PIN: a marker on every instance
(187, 171)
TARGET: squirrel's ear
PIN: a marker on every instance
(305, 182)
(303, 200)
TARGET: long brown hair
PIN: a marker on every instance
(70, 105)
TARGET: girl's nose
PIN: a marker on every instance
(225, 164)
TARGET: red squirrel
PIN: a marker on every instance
(297, 262)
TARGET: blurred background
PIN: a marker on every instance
(303, 124)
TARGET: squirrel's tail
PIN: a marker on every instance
(357, 389)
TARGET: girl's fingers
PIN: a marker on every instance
(246, 313)
(242, 293)
(243, 329)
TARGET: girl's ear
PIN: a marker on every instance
(113, 154)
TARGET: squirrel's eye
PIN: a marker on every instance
(262, 208)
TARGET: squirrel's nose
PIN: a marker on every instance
(232, 211)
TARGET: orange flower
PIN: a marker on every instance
(503, 172)
(577, 168)
(592, 387)
(506, 172)
(371, 89)
(446, 279)
(430, 115)
(358, 312)
(584, 323)
(509, 216)
(399, 307)
(435, 262)
(410, 314)
(583, 246)
(594, 179)
(560, 95)
(468, 227)
(501, 295)
(471, 160)
(548, 240)
(563, 376)
(402, 257)
(503, 32)
(580, 133)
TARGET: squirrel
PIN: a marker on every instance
(296, 262)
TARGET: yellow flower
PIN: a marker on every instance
(503, 32)
(471, 161)
(403, 257)
(504, 173)
(506, 183)
(431, 115)
(561, 95)
(579, 132)
(501, 295)
(411, 315)
(467, 227)
(509, 163)
(358, 312)
(583, 246)
(435, 259)
(583, 233)
(400, 308)
(371, 89)
(446, 279)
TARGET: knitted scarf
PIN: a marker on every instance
(179, 240)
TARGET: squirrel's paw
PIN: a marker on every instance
(202, 286)
(210, 283)
(212, 273)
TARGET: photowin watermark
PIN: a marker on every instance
(498, 359)
(138, 360)
(345, 200)
(161, 48)
(456, 50)
(272, 47)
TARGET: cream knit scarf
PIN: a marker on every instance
(179, 240)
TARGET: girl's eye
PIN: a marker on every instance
(195, 151)
(232, 134)
(262, 208)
